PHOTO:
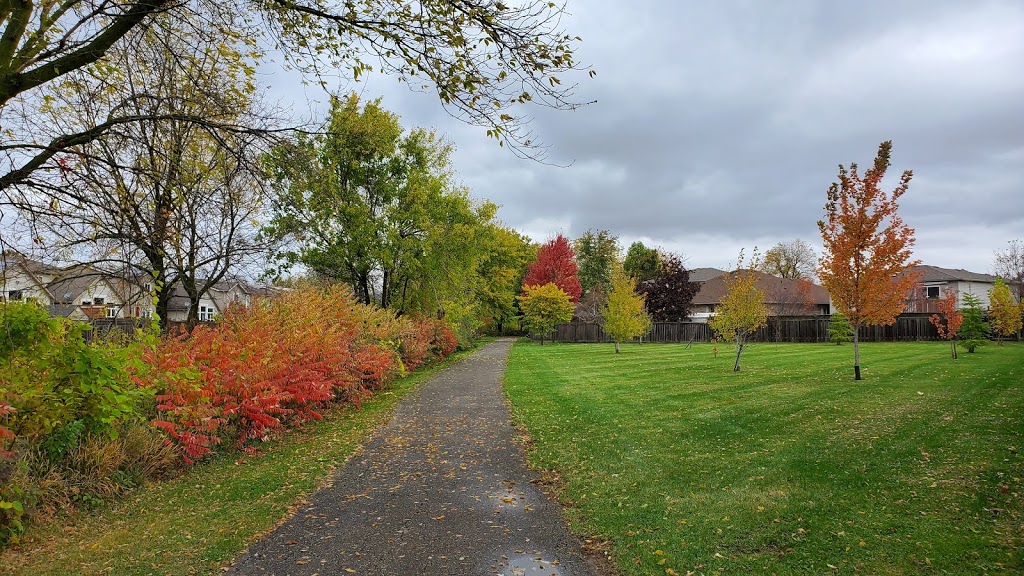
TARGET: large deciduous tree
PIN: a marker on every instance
(1004, 312)
(867, 247)
(482, 58)
(624, 315)
(555, 263)
(501, 274)
(670, 293)
(596, 253)
(170, 198)
(948, 324)
(641, 262)
(544, 307)
(368, 205)
(742, 309)
(1009, 265)
(793, 260)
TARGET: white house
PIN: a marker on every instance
(24, 280)
(214, 302)
(935, 281)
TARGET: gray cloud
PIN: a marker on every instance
(720, 125)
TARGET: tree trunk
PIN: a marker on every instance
(953, 342)
(856, 352)
(616, 346)
(739, 350)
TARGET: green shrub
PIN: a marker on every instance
(57, 394)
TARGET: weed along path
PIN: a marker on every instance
(442, 489)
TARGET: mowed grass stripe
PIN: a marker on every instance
(789, 466)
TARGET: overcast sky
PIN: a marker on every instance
(720, 125)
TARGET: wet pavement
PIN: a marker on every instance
(442, 489)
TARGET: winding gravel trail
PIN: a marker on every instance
(442, 489)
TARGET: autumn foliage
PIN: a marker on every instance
(742, 309)
(1005, 313)
(544, 307)
(279, 362)
(949, 323)
(556, 264)
(867, 247)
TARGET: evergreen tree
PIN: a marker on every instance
(974, 329)
(839, 329)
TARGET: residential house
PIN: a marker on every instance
(24, 280)
(935, 282)
(85, 293)
(214, 302)
(783, 296)
(701, 275)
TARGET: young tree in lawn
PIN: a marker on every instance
(624, 314)
(867, 248)
(641, 262)
(742, 309)
(974, 330)
(596, 253)
(1004, 312)
(555, 263)
(670, 293)
(839, 329)
(544, 307)
(949, 323)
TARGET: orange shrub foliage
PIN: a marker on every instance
(278, 362)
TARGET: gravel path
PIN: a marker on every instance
(442, 489)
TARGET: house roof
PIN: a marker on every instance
(705, 274)
(76, 280)
(937, 274)
(61, 310)
(776, 290)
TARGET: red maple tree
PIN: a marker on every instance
(949, 323)
(867, 248)
(555, 263)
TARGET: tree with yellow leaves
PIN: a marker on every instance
(544, 307)
(624, 315)
(742, 309)
(1003, 311)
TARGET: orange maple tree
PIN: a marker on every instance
(867, 247)
(949, 323)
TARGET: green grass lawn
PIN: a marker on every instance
(197, 522)
(789, 467)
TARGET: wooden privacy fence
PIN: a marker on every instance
(908, 327)
(102, 328)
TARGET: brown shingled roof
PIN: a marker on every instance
(776, 290)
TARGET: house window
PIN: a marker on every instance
(931, 292)
(111, 312)
(86, 302)
(14, 295)
(98, 301)
(206, 313)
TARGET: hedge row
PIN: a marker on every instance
(81, 422)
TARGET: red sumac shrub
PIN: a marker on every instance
(270, 365)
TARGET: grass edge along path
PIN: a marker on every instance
(789, 467)
(195, 523)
